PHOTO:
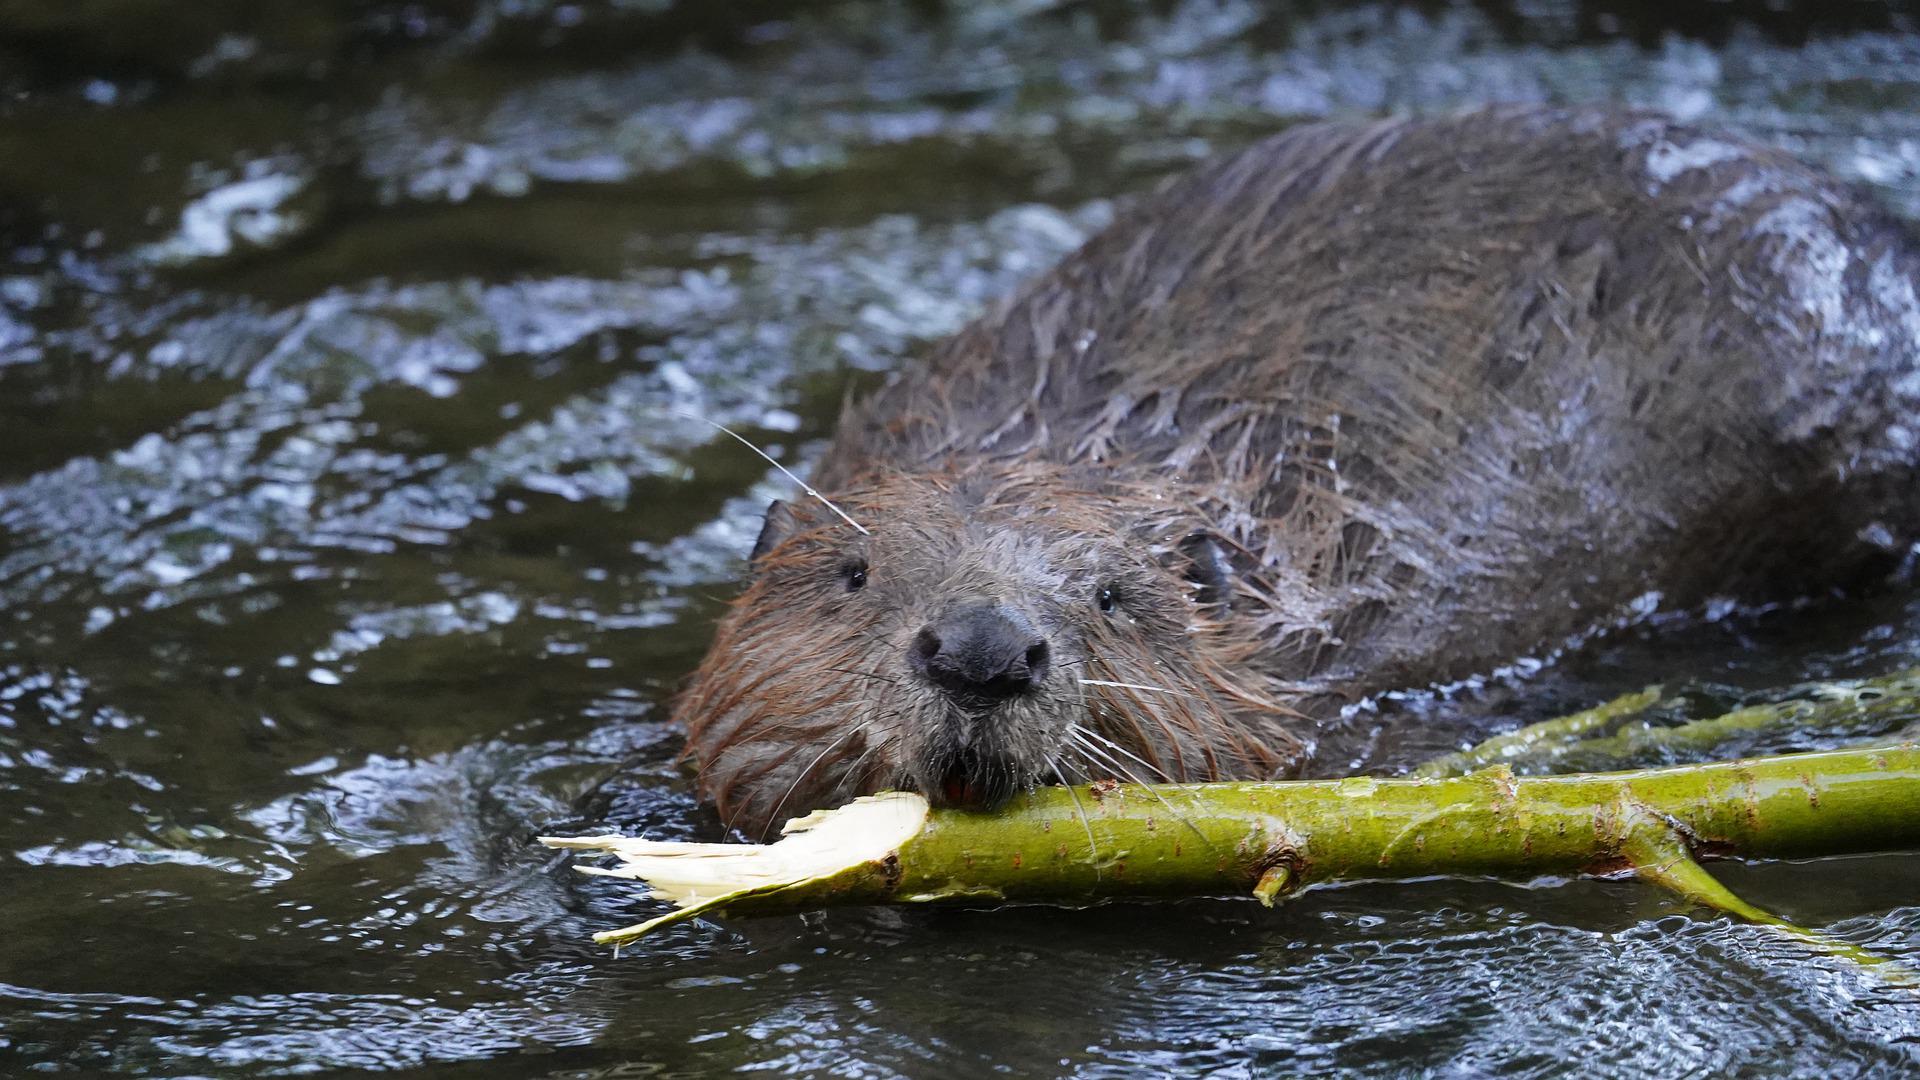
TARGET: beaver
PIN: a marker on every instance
(1364, 407)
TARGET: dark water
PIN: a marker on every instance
(348, 534)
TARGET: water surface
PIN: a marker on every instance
(350, 534)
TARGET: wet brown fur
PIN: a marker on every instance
(1446, 392)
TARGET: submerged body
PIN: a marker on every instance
(1361, 408)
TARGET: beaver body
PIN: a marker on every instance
(1363, 407)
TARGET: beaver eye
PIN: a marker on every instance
(1106, 598)
(856, 574)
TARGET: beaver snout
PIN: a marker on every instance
(980, 654)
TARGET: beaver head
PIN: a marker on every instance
(990, 630)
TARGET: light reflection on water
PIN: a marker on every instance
(351, 532)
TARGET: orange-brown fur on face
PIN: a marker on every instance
(1445, 392)
(807, 696)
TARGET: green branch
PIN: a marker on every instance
(1275, 838)
(1853, 709)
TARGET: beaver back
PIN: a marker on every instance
(1460, 389)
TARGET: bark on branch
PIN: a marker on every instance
(1615, 736)
(1271, 839)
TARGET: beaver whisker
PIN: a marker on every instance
(853, 769)
(1108, 660)
(765, 771)
(1131, 716)
(818, 758)
(1174, 735)
(1091, 734)
(1134, 686)
(1087, 749)
(1097, 756)
(1133, 712)
(784, 471)
(1093, 849)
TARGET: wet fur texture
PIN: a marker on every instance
(1437, 394)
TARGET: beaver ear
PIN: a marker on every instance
(1208, 567)
(781, 523)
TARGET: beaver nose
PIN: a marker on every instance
(980, 654)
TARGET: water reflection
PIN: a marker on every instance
(355, 523)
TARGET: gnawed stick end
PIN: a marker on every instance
(709, 877)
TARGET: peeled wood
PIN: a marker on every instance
(1112, 840)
